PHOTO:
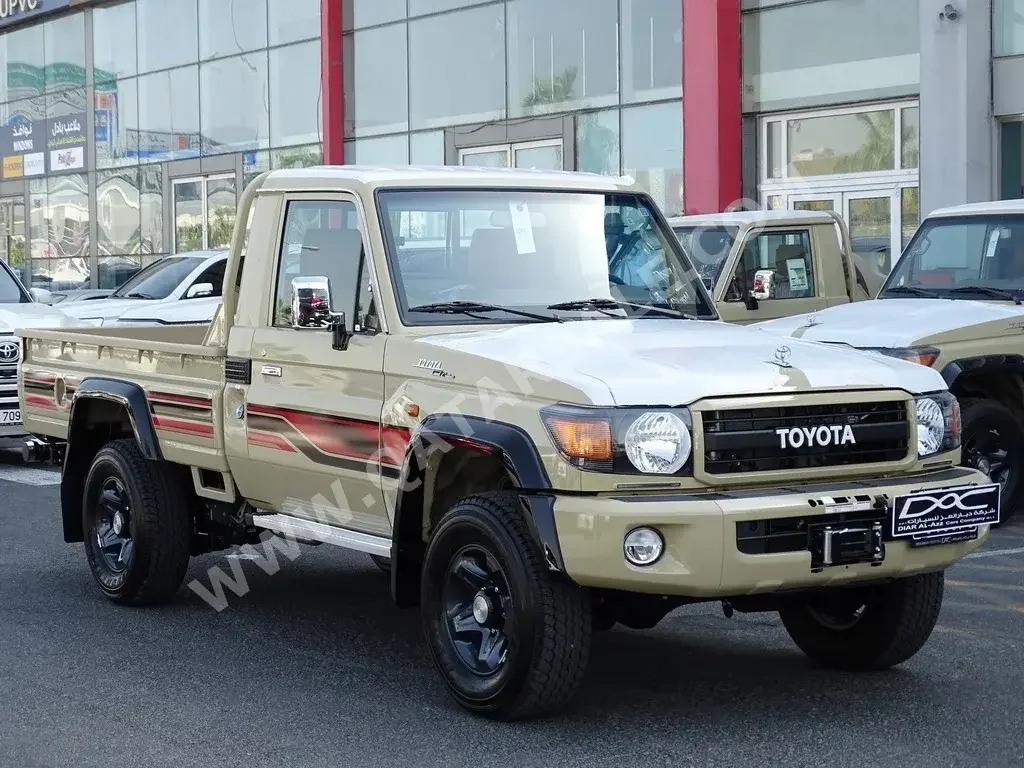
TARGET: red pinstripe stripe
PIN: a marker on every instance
(40, 402)
(185, 427)
(181, 399)
(36, 378)
(344, 437)
(265, 440)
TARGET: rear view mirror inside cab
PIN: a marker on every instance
(502, 219)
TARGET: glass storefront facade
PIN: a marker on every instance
(590, 85)
(834, 93)
(129, 129)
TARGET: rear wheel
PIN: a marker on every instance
(510, 638)
(137, 525)
(993, 442)
(869, 627)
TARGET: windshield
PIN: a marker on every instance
(11, 291)
(531, 249)
(708, 247)
(961, 253)
(159, 279)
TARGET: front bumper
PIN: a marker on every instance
(702, 557)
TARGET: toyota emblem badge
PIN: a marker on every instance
(9, 352)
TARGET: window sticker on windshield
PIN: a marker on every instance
(797, 269)
(522, 227)
(993, 243)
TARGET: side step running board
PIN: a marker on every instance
(300, 528)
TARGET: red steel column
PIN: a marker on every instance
(712, 89)
(332, 83)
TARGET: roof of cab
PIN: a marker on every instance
(751, 218)
(993, 208)
(373, 177)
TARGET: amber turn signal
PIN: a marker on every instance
(925, 357)
(588, 439)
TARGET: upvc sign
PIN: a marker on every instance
(13, 11)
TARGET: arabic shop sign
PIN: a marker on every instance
(30, 146)
(13, 11)
(65, 141)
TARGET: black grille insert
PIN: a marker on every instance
(804, 436)
(238, 371)
(793, 534)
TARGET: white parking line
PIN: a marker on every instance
(29, 476)
(995, 553)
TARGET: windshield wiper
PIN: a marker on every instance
(602, 304)
(139, 295)
(995, 293)
(913, 291)
(471, 307)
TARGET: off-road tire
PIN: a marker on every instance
(549, 641)
(977, 414)
(897, 621)
(160, 525)
(384, 563)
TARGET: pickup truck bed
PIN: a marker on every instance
(182, 378)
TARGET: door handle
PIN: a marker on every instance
(271, 370)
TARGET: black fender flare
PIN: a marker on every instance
(995, 363)
(523, 463)
(79, 456)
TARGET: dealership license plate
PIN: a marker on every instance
(10, 417)
(945, 515)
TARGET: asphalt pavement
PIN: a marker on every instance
(312, 666)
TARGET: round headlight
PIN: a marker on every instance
(931, 426)
(643, 546)
(658, 443)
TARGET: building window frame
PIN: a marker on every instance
(787, 181)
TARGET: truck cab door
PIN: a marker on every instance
(775, 276)
(313, 410)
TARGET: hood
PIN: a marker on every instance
(893, 322)
(34, 315)
(677, 362)
(108, 309)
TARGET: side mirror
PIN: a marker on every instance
(41, 295)
(763, 288)
(199, 290)
(311, 310)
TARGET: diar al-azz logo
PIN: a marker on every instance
(924, 504)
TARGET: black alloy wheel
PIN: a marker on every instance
(478, 607)
(137, 524)
(111, 526)
(993, 443)
(510, 638)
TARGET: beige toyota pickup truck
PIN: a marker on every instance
(437, 368)
(762, 265)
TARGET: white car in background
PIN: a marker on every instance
(20, 307)
(166, 283)
(194, 312)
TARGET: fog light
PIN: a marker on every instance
(643, 546)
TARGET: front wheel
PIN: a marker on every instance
(993, 442)
(510, 638)
(137, 525)
(866, 628)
